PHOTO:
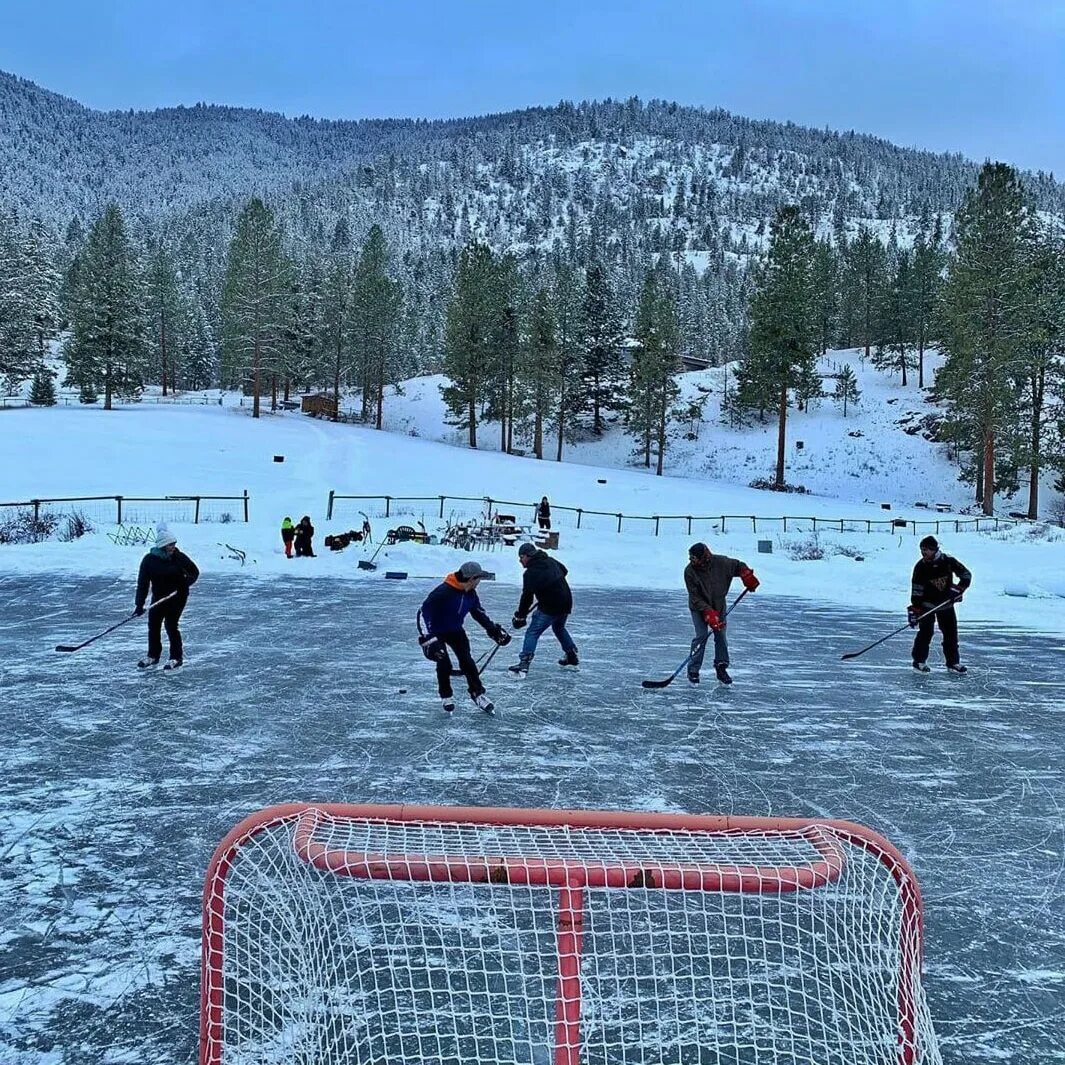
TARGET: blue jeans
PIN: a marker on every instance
(539, 623)
(700, 641)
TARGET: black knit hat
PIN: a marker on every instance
(699, 550)
(526, 549)
(931, 543)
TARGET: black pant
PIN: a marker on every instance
(544, 521)
(168, 614)
(458, 642)
(948, 625)
(303, 548)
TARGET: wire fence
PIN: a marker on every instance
(461, 508)
(118, 510)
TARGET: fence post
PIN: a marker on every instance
(329, 508)
(118, 502)
(722, 522)
(36, 509)
(785, 520)
(578, 517)
(754, 523)
(388, 505)
(245, 506)
(619, 523)
(196, 516)
(657, 519)
(689, 525)
(841, 525)
(815, 526)
(442, 498)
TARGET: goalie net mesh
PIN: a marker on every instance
(400, 934)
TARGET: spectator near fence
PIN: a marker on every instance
(543, 514)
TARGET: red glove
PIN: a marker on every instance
(750, 581)
(713, 619)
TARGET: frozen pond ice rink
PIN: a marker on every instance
(117, 785)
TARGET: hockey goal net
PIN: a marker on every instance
(372, 934)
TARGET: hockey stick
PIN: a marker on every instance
(481, 666)
(856, 654)
(695, 650)
(124, 621)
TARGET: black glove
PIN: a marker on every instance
(518, 621)
(433, 648)
(500, 635)
(138, 610)
(957, 591)
(913, 616)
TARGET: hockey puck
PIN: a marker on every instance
(402, 691)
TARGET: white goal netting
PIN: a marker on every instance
(333, 937)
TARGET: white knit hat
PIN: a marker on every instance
(164, 536)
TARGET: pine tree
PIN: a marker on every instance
(783, 337)
(107, 347)
(168, 315)
(847, 387)
(865, 283)
(897, 329)
(653, 387)
(254, 299)
(376, 306)
(472, 325)
(928, 262)
(567, 301)
(538, 375)
(826, 294)
(987, 318)
(602, 370)
(42, 394)
(336, 321)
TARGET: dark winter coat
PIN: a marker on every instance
(446, 606)
(543, 510)
(545, 578)
(165, 574)
(304, 532)
(709, 584)
(933, 578)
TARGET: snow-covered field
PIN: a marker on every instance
(115, 786)
(158, 450)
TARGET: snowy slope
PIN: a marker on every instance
(171, 450)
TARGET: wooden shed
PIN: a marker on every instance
(320, 405)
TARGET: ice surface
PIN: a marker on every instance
(115, 785)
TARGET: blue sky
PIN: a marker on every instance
(984, 77)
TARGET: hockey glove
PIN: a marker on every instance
(433, 648)
(500, 635)
(138, 610)
(518, 622)
(713, 619)
(750, 581)
(913, 616)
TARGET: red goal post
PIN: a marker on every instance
(359, 933)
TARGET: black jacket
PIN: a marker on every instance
(708, 584)
(545, 578)
(932, 580)
(175, 573)
(304, 532)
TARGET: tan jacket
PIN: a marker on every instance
(708, 585)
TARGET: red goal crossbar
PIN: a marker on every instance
(572, 876)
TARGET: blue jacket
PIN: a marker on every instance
(446, 606)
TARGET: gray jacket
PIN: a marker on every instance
(708, 585)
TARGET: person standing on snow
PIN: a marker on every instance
(164, 570)
(288, 534)
(543, 514)
(932, 586)
(707, 578)
(304, 533)
(544, 579)
(443, 614)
